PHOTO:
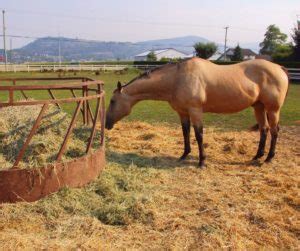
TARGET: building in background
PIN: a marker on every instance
(169, 53)
(215, 56)
(247, 54)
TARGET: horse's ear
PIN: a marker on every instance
(119, 86)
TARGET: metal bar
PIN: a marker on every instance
(31, 134)
(70, 129)
(74, 96)
(53, 97)
(87, 107)
(102, 118)
(102, 114)
(11, 97)
(22, 92)
(46, 87)
(42, 102)
(91, 116)
(91, 139)
(85, 120)
(59, 79)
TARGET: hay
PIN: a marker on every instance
(15, 125)
(145, 199)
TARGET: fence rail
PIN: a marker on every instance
(294, 72)
(80, 67)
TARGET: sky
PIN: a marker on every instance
(139, 20)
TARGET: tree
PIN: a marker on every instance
(237, 54)
(151, 56)
(273, 38)
(205, 50)
(283, 52)
(296, 40)
(165, 59)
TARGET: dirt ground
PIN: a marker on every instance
(232, 204)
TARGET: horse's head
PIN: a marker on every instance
(119, 107)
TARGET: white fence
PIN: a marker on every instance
(70, 67)
(294, 72)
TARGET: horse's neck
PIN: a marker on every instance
(152, 88)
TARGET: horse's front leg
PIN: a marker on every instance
(186, 127)
(196, 115)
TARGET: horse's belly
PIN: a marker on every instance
(230, 101)
(226, 106)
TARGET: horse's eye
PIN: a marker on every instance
(112, 102)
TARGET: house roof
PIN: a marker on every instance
(245, 52)
(216, 55)
(156, 52)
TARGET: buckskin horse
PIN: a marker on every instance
(195, 86)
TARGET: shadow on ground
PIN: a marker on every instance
(168, 162)
(158, 162)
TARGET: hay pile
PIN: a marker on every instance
(15, 125)
(145, 199)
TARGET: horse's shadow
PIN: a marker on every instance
(247, 163)
(168, 162)
(157, 162)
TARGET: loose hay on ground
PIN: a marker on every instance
(164, 204)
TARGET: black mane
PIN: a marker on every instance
(147, 73)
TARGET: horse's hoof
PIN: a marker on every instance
(269, 158)
(258, 156)
(184, 156)
(201, 165)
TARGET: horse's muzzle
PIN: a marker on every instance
(109, 124)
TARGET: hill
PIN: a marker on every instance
(47, 48)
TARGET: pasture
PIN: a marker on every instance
(145, 199)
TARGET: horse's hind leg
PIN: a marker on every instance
(196, 115)
(262, 121)
(186, 125)
(273, 117)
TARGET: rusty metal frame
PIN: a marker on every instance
(26, 184)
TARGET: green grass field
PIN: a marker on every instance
(156, 111)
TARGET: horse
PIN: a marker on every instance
(196, 86)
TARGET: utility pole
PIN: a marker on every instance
(225, 44)
(59, 51)
(10, 51)
(4, 40)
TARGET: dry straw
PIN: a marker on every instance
(146, 199)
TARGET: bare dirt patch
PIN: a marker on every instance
(146, 199)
